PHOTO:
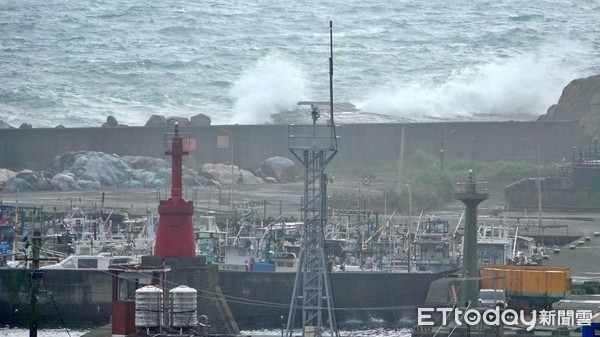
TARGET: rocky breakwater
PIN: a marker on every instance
(154, 120)
(93, 170)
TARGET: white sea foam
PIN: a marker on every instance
(522, 86)
(273, 84)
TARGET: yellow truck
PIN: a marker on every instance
(528, 287)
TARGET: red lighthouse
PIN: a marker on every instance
(175, 235)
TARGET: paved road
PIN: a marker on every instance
(279, 198)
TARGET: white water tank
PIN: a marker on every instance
(183, 307)
(148, 305)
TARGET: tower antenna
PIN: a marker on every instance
(331, 71)
(314, 146)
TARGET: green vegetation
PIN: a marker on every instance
(500, 171)
(429, 187)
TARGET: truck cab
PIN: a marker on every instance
(491, 298)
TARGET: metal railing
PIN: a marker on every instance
(313, 137)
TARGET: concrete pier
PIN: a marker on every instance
(194, 272)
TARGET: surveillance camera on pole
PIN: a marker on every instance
(314, 106)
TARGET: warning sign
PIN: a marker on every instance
(222, 142)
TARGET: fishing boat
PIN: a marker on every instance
(436, 248)
(99, 262)
(493, 244)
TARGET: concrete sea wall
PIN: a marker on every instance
(82, 297)
(359, 143)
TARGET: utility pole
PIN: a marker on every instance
(36, 279)
(36, 273)
(230, 144)
(401, 156)
(539, 183)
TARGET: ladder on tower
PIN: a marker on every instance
(566, 174)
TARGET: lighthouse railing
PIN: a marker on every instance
(187, 193)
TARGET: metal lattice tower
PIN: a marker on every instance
(314, 146)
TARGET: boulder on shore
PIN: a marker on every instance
(197, 120)
(277, 168)
(200, 120)
(156, 120)
(222, 173)
(17, 184)
(111, 122)
(5, 174)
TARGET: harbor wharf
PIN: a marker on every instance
(560, 229)
(255, 299)
(575, 227)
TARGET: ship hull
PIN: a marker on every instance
(256, 299)
(260, 299)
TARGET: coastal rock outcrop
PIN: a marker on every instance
(579, 101)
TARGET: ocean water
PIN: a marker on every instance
(76, 62)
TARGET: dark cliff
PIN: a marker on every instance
(580, 101)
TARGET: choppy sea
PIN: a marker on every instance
(76, 62)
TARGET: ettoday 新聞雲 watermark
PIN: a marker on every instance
(508, 317)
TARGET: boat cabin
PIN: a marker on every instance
(92, 262)
(493, 244)
(435, 250)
